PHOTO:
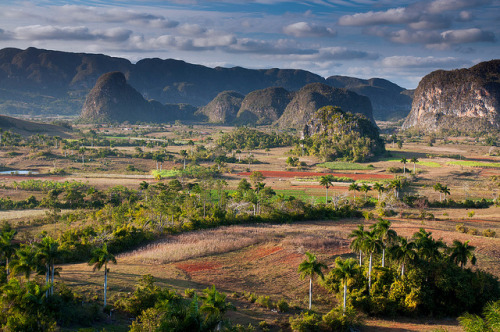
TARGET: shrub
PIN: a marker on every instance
(461, 228)
(471, 214)
(282, 306)
(473, 231)
(264, 301)
(305, 322)
(489, 233)
(189, 292)
(336, 321)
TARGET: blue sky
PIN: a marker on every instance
(398, 40)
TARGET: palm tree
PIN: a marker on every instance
(48, 252)
(326, 181)
(438, 187)
(357, 243)
(184, 155)
(25, 261)
(379, 187)
(403, 252)
(345, 270)
(101, 257)
(214, 305)
(414, 160)
(365, 188)
(397, 185)
(309, 268)
(460, 253)
(404, 161)
(8, 247)
(427, 247)
(445, 190)
(385, 235)
(372, 244)
(354, 187)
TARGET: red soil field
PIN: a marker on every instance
(281, 174)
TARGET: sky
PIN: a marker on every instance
(398, 40)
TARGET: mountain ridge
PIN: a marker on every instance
(38, 81)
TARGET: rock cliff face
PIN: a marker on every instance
(264, 106)
(463, 100)
(313, 96)
(223, 108)
(112, 99)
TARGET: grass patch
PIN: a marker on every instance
(165, 173)
(344, 165)
(429, 164)
(472, 163)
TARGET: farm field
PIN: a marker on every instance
(259, 258)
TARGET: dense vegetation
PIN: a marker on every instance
(250, 139)
(336, 135)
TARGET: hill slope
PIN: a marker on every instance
(312, 97)
(28, 128)
(389, 101)
(113, 100)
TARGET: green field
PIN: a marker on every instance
(471, 163)
(429, 164)
(345, 166)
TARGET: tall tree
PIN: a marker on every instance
(101, 257)
(403, 252)
(7, 246)
(379, 187)
(326, 181)
(385, 234)
(438, 187)
(427, 247)
(345, 270)
(372, 244)
(25, 261)
(404, 161)
(365, 188)
(445, 190)
(414, 160)
(48, 252)
(354, 187)
(461, 253)
(310, 267)
(358, 241)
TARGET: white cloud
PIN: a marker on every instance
(420, 62)
(467, 36)
(191, 29)
(50, 32)
(440, 6)
(391, 16)
(304, 29)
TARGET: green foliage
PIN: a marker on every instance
(490, 322)
(264, 301)
(282, 305)
(344, 136)
(145, 296)
(336, 320)
(250, 139)
(305, 322)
